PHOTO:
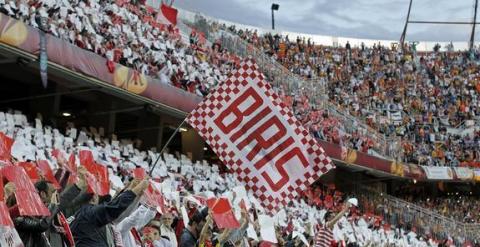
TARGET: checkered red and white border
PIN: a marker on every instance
(225, 93)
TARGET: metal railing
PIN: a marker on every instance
(463, 124)
(290, 83)
(408, 215)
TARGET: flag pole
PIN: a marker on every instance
(166, 145)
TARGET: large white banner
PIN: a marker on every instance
(256, 135)
(464, 173)
(476, 175)
(441, 173)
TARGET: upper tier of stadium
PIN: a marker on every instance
(126, 34)
(329, 40)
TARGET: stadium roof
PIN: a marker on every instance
(371, 19)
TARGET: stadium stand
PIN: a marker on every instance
(421, 97)
(387, 103)
(35, 142)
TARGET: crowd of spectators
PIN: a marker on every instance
(417, 96)
(397, 92)
(429, 91)
(126, 32)
(125, 216)
(455, 205)
(460, 208)
(435, 216)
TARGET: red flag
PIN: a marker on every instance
(66, 227)
(167, 15)
(92, 184)
(211, 202)
(255, 134)
(5, 146)
(139, 173)
(72, 168)
(31, 170)
(28, 200)
(47, 173)
(97, 180)
(86, 159)
(103, 180)
(222, 213)
(154, 198)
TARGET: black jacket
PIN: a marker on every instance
(32, 230)
(37, 231)
(71, 199)
(90, 219)
(187, 239)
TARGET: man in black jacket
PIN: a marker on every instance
(43, 231)
(32, 229)
(191, 233)
(91, 218)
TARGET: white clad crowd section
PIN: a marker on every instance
(180, 178)
(126, 34)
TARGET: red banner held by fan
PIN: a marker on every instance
(154, 198)
(139, 173)
(86, 159)
(98, 182)
(222, 213)
(5, 147)
(31, 170)
(167, 15)
(72, 168)
(47, 173)
(103, 180)
(28, 201)
(66, 227)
